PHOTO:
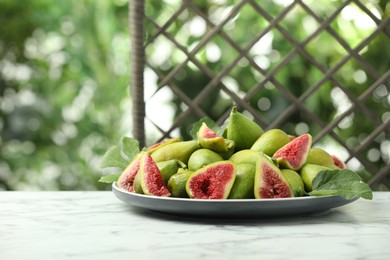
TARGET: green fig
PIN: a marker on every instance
(269, 180)
(180, 151)
(213, 181)
(158, 145)
(177, 183)
(320, 157)
(293, 155)
(245, 156)
(309, 172)
(242, 130)
(230, 145)
(244, 184)
(202, 157)
(271, 141)
(208, 139)
(295, 182)
(168, 168)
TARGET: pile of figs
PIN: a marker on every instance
(242, 163)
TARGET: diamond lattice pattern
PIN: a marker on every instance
(294, 65)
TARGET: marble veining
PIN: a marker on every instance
(96, 225)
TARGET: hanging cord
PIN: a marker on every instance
(137, 57)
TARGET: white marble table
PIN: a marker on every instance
(96, 225)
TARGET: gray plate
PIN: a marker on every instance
(232, 208)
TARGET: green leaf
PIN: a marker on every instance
(130, 147)
(344, 183)
(110, 178)
(195, 127)
(113, 158)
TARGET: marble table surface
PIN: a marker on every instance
(96, 225)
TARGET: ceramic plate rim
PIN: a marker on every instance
(242, 207)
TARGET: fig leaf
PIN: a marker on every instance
(109, 178)
(344, 183)
(119, 157)
(130, 147)
(113, 158)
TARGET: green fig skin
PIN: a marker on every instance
(309, 172)
(242, 130)
(245, 156)
(137, 188)
(244, 183)
(161, 144)
(177, 183)
(137, 184)
(168, 168)
(295, 182)
(319, 156)
(224, 133)
(201, 158)
(180, 151)
(270, 141)
(230, 145)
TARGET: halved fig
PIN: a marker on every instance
(213, 181)
(293, 155)
(269, 180)
(338, 162)
(208, 139)
(126, 179)
(151, 180)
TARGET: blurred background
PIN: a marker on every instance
(65, 74)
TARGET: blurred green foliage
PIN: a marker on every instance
(64, 99)
(64, 80)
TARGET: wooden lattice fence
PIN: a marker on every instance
(288, 64)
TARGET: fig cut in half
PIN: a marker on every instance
(269, 181)
(126, 179)
(208, 139)
(213, 181)
(152, 181)
(294, 154)
(338, 162)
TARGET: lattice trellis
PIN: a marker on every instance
(269, 77)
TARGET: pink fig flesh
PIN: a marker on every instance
(272, 184)
(214, 181)
(126, 179)
(293, 155)
(208, 132)
(208, 139)
(338, 162)
(152, 181)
